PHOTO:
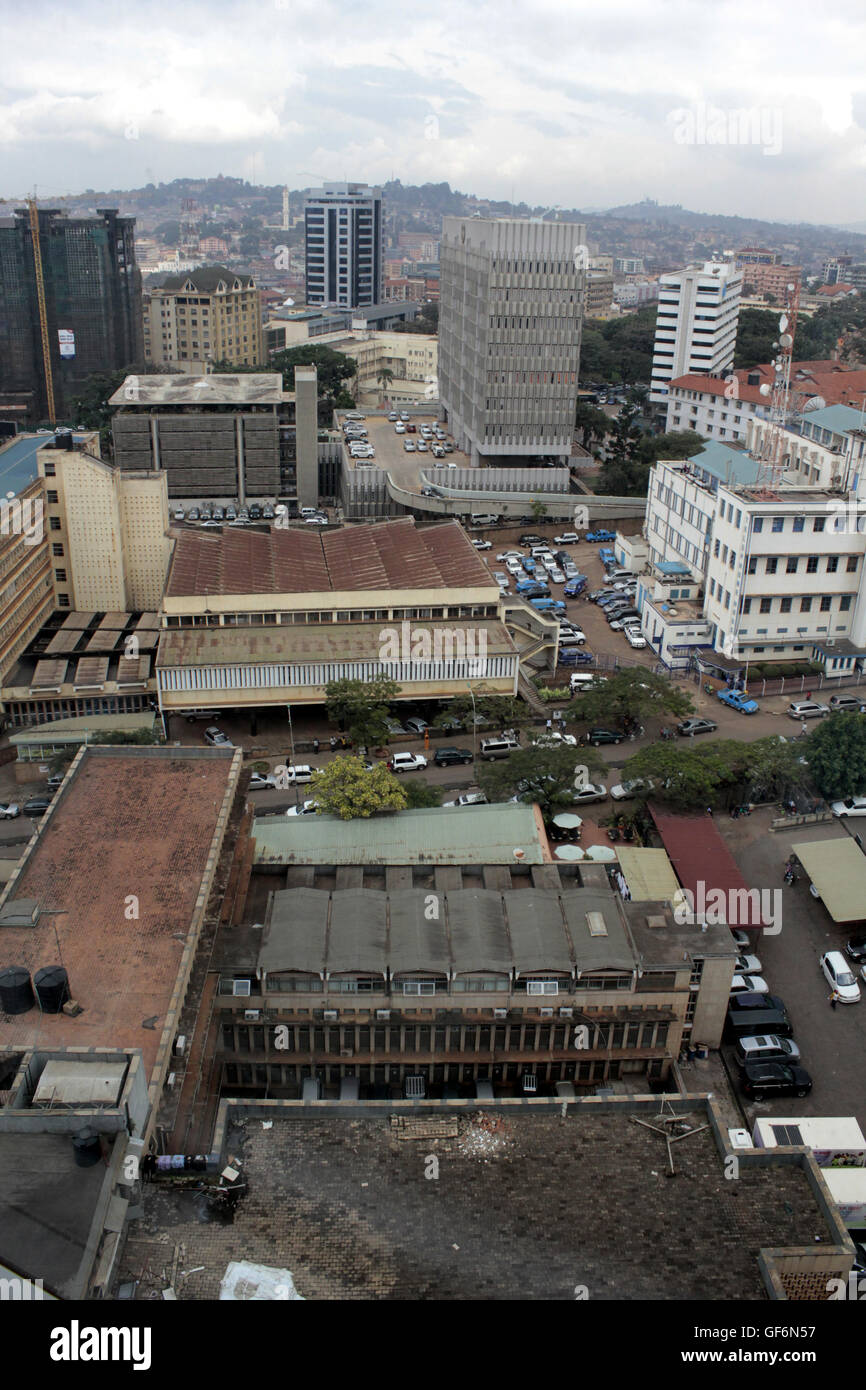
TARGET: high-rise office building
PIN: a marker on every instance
(92, 293)
(343, 231)
(510, 320)
(696, 324)
(207, 315)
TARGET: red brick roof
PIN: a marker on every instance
(129, 823)
(832, 380)
(386, 555)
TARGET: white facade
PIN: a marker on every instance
(696, 324)
(510, 321)
(710, 412)
(343, 241)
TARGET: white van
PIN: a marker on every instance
(483, 519)
(309, 511)
(583, 680)
(498, 747)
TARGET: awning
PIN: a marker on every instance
(648, 874)
(837, 868)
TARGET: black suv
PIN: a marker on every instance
(529, 539)
(445, 757)
(36, 806)
(762, 1079)
(597, 736)
(856, 949)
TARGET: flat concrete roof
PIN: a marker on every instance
(838, 870)
(130, 832)
(439, 835)
(245, 388)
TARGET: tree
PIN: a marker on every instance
(384, 376)
(420, 795)
(333, 368)
(591, 423)
(634, 693)
(766, 770)
(502, 711)
(545, 775)
(836, 753)
(537, 509)
(90, 407)
(360, 708)
(681, 776)
(344, 788)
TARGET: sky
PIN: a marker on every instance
(734, 107)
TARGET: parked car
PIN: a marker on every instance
(597, 736)
(530, 538)
(747, 965)
(848, 703)
(447, 757)
(765, 1047)
(468, 799)
(509, 555)
(567, 538)
(749, 984)
(591, 791)
(696, 726)
(36, 805)
(555, 575)
(416, 725)
(762, 1079)
(423, 446)
(851, 806)
(634, 638)
(623, 791)
(739, 700)
(407, 762)
(305, 808)
(514, 567)
(856, 949)
(573, 656)
(838, 975)
(806, 709)
(482, 545)
(216, 738)
(551, 738)
(601, 535)
(548, 605)
(9, 810)
(409, 446)
(262, 781)
(573, 636)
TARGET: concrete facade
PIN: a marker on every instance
(343, 245)
(696, 324)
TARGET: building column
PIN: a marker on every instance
(306, 436)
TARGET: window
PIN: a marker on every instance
(825, 603)
(766, 605)
(805, 605)
(63, 600)
(845, 603)
(792, 564)
(818, 523)
(747, 605)
(812, 564)
(54, 523)
(772, 564)
(57, 548)
(542, 986)
(716, 546)
(799, 523)
(753, 565)
(832, 564)
(60, 576)
(52, 497)
(758, 524)
(778, 523)
(852, 564)
(785, 605)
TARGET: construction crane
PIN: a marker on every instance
(770, 449)
(43, 313)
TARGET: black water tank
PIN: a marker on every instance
(87, 1148)
(52, 987)
(16, 990)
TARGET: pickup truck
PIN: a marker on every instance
(738, 699)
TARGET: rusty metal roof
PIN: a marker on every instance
(338, 642)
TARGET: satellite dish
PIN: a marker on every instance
(814, 403)
(765, 389)
(783, 322)
(786, 340)
(287, 303)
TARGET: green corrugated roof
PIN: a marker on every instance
(76, 730)
(440, 835)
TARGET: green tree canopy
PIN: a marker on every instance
(633, 693)
(419, 795)
(344, 788)
(683, 777)
(836, 753)
(360, 708)
(545, 775)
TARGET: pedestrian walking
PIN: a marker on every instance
(549, 725)
(709, 810)
(834, 999)
(333, 743)
(315, 745)
(808, 694)
(803, 729)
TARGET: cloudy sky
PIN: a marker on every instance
(724, 107)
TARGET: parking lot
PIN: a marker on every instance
(405, 468)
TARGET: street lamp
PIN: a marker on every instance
(292, 746)
(474, 725)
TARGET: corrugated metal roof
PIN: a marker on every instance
(438, 835)
(648, 874)
(479, 938)
(699, 855)
(612, 951)
(416, 942)
(538, 935)
(74, 730)
(838, 870)
(295, 935)
(358, 936)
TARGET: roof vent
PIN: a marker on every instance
(596, 924)
(656, 923)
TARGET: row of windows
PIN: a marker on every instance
(454, 1037)
(785, 603)
(792, 563)
(277, 677)
(340, 615)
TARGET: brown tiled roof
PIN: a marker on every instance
(386, 555)
(330, 642)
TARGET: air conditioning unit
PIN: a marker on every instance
(252, 1015)
(382, 1015)
(546, 1013)
(171, 1080)
(500, 1013)
(241, 989)
(179, 1045)
(566, 1013)
(330, 1015)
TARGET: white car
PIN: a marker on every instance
(570, 570)
(409, 445)
(751, 984)
(514, 566)
(295, 774)
(567, 538)
(806, 709)
(306, 808)
(408, 762)
(837, 973)
(216, 738)
(747, 965)
(482, 545)
(592, 791)
(623, 790)
(399, 428)
(423, 446)
(510, 555)
(854, 806)
(468, 799)
(262, 781)
(635, 639)
(555, 574)
(553, 739)
(575, 635)
(9, 810)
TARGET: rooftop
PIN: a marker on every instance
(440, 835)
(18, 460)
(206, 278)
(245, 388)
(380, 556)
(127, 824)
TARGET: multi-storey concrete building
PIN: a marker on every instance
(208, 315)
(510, 324)
(230, 438)
(771, 281)
(343, 238)
(92, 305)
(696, 324)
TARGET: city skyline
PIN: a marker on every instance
(735, 110)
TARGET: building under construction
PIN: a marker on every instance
(70, 305)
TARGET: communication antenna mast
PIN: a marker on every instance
(43, 313)
(770, 452)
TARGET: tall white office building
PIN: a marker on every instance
(696, 325)
(343, 245)
(510, 320)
